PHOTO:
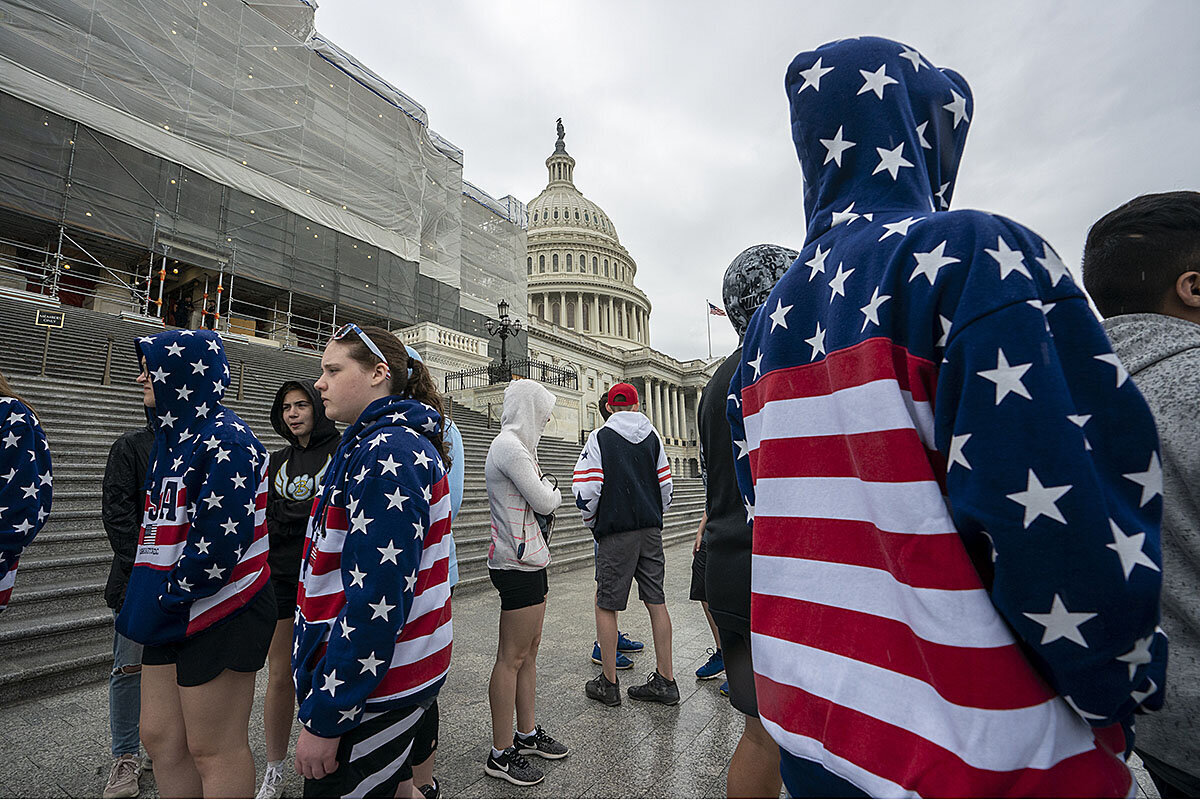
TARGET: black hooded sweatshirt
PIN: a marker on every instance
(295, 475)
(124, 495)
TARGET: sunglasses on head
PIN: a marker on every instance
(349, 328)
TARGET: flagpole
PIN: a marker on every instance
(708, 325)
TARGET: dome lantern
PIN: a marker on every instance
(560, 164)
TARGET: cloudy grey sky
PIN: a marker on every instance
(676, 114)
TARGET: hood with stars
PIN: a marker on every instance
(189, 375)
(860, 107)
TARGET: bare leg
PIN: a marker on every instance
(754, 768)
(518, 629)
(660, 627)
(217, 715)
(527, 678)
(279, 707)
(164, 735)
(606, 634)
(422, 776)
(712, 625)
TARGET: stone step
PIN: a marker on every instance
(56, 597)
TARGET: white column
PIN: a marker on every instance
(595, 313)
(578, 315)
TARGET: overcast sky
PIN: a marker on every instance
(676, 115)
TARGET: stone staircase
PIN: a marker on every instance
(57, 631)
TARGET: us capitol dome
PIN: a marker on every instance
(580, 277)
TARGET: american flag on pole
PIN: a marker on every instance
(955, 490)
(716, 312)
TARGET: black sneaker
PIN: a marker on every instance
(602, 689)
(540, 744)
(431, 790)
(513, 767)
(656, 690)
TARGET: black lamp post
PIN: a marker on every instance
(504, 327)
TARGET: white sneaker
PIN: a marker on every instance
(272, 785)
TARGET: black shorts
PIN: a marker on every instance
(286, 590)
(425, 737)
(699, 561)
(373, 758)
(520, 589)
(739, 671)
(621, 557)
(239, 643)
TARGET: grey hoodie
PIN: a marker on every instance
(1162, 354)
(515, 486)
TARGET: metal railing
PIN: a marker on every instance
(491, 374)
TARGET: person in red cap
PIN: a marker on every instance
(622, 486)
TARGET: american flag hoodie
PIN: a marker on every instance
(954, 486)
(202, 547)
(26, 487)
(373, 629)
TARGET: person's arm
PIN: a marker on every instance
(380, 560)
(587, 483)
(122, 502)
(25, 489)
(222, 523)
(700, 532)
(458, 468)
(1052, 475)
(519, 467)
(666, 485)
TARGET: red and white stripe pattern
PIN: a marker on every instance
(877, 650)
(249, 574)
(421, 656)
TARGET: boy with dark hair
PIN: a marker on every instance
(624, 507)
(123, 495)
(1141, 264)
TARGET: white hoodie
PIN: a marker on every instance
(515, 486)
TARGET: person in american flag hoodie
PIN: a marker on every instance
(373, 629)
(26, 483)
(198, 598)
(956, 561)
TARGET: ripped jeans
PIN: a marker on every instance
(125, 695)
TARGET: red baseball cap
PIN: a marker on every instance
(622, 394)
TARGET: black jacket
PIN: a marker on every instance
(727, 534)
(121, 506)
(295, 474)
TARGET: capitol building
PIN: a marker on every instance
(586, 313)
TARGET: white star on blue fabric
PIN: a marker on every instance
(1059, 623)
(870, 311)
(1009, 260)
(891, 160)
(835, 147)
(817, 343)
(779, 316)
(812, 76)
(876, 81)
(957, 107)
(837, 284)
(1151, 480)
(899, 228)
(1111, 358)
(756, 365)
(928, 264)
(1039, 500)
(1007, 377)
(817, 262)
(1129, 548)
(913, 56)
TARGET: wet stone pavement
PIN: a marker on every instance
(58, 746)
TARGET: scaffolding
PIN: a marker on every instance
(225, 146)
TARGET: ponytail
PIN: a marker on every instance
(409, 377)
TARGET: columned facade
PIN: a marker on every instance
(586, 312)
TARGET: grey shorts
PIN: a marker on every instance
(622, 556)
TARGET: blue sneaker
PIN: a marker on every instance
(713, 667)
(627, 645)
(623, 661)
(724, 689)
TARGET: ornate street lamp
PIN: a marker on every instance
(503, 327)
